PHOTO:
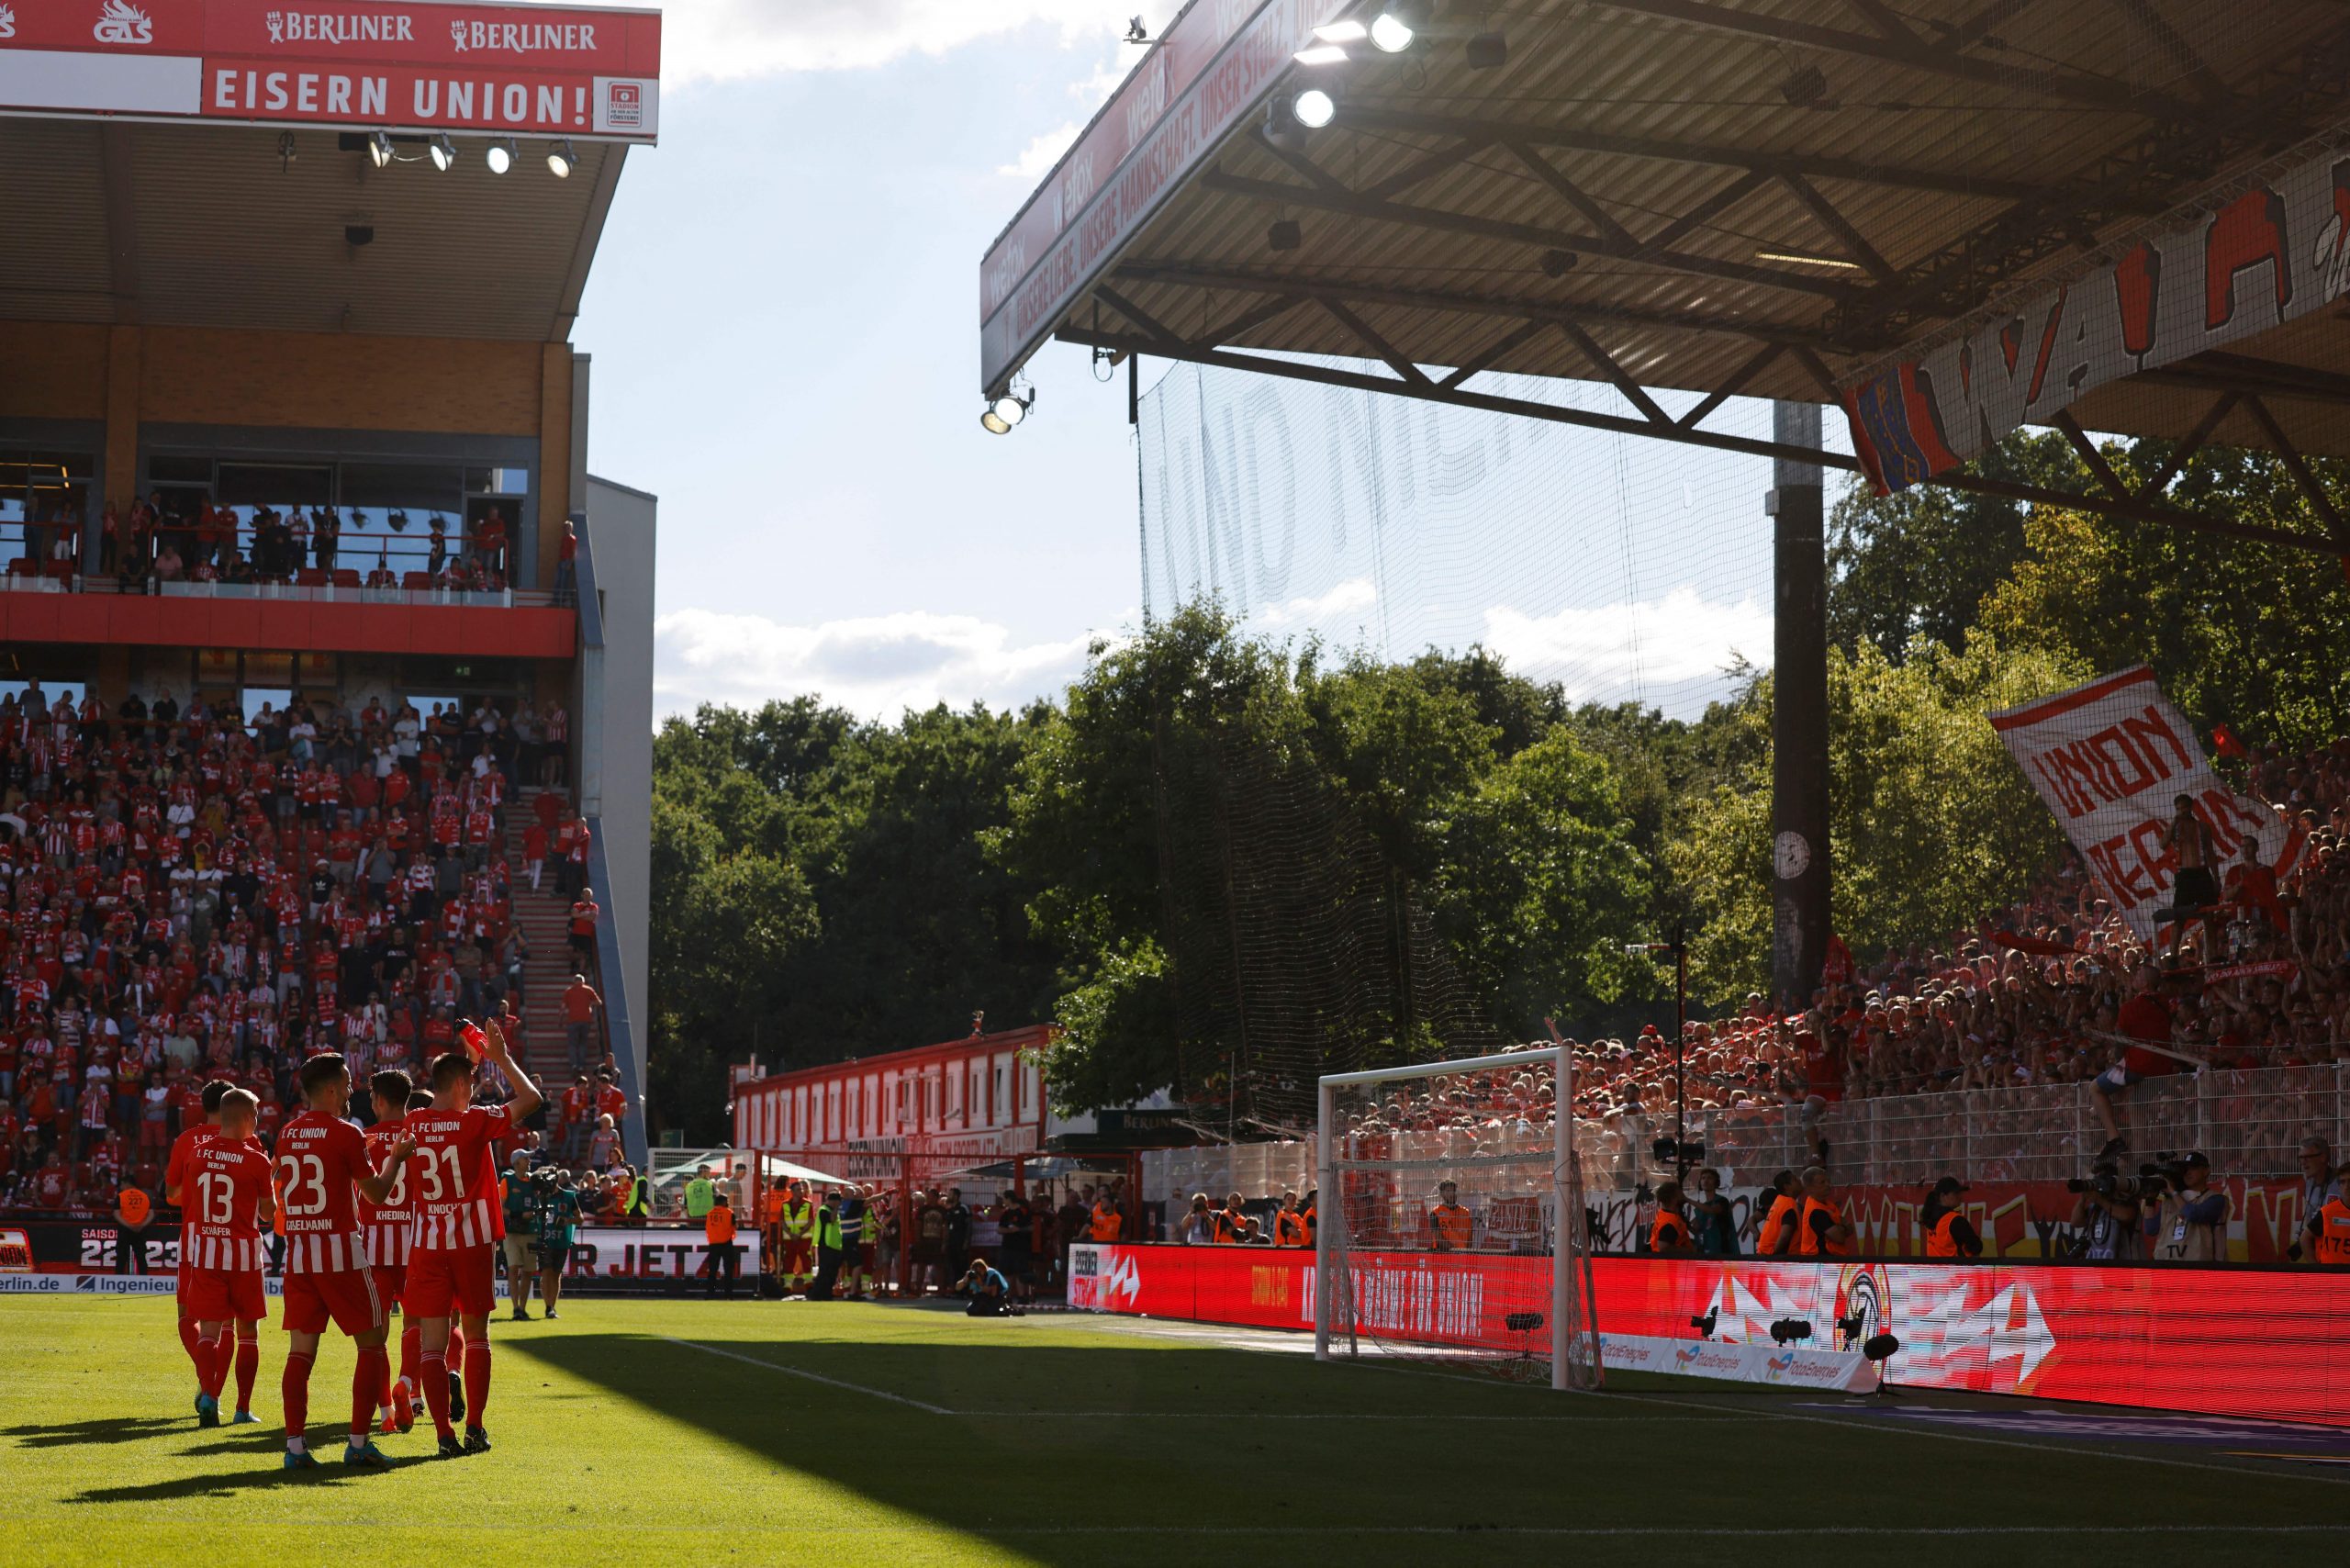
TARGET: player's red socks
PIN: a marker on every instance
(433, 1368)
(368, 1380)
(248, 1364)
(477, 1380)
(293, 1389)
(212, 1362)
(411, 1347)
(193, 1344)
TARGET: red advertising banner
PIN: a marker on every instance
(2259, 1343)
(390, 65)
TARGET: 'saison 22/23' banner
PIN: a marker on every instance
(395, 64)
(2261, 1343)
(2275, 253)
(2110, 758)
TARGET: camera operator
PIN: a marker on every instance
(521, 1243)
(558, 1222)
(1948, 1234)
(2106, 1216)
(2318, 1186)
(2193, 1221)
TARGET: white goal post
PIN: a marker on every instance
(1450, 1218)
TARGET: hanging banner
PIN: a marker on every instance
(393, 64)
(2274, 254)
(2111, 758)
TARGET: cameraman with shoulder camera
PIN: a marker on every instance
(2106, 1216)
(2194, 1218)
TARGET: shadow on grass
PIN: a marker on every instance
(108, 1430)
(234, 1483)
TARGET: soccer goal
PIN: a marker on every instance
(1451, 1224)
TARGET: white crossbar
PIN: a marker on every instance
(1441, 1068)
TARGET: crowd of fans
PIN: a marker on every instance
(186, 894)
(156, 543)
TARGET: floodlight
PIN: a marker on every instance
(379, 149)
(1009, 408)
(992, 422)
(1321, 54)
(562, 160)
(500, 156)
(444, 152)
(1342, 32)
(1313, 108)
(1397, 24)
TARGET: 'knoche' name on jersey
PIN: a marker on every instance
(221, 1194)
(319, 1162)
(453, 1176)
(388, 1223)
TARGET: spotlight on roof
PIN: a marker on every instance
(1313, 108)
(1558, 263)
(1397, 24)
(444, 152)
(1002, 413)
(1488, 51)
(1283, 234)
(500, 156)
(562, 160)
(379, 149)
(1321, 54)
(1348, 32)
(1804, 88)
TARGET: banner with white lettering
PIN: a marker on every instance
(2273, 253)
(2111, 758)
(522, 70)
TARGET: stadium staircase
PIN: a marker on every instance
(544, 919)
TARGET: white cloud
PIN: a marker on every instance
(1036, 160)
(875, 666)
(732, 40)
(1607, 652)
(1349, 599)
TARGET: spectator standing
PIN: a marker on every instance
(1713, 1225)
(584, 916)
(702, 1195)
(930, 1244)
(958, 1233)
(1015, 1253)
(581, 1003)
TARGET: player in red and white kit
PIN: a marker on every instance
(174, 1174)
(453, 1270)
(323, 1168)
(388, 1225)
(225, 1192)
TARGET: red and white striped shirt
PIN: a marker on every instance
(388, 1223)
(222, 1196)
(453, 1176)
(319, 1162)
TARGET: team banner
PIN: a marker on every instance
(2275, 252)
(2110, 758)
(2259, 1343)
(390, 65)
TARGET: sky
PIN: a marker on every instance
(784, 321)
(783, 317)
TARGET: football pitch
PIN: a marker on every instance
(851, 1435)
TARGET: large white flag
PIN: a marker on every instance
(2111, 758)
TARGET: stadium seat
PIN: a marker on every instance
(345, 577)
(24, 566)
(310, 576)
(417, 582)
(63, 571)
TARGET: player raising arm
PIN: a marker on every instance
(322, 1163)
(452, 1271)
(226, 1193)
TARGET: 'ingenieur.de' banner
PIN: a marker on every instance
(2111, 758)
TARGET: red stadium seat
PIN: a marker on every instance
(63, 571)
(417, 582)
(345, 577)
(24, 566)
(310, 576)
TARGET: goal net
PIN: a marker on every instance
(1451, 1225)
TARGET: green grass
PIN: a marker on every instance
(1068, 1442)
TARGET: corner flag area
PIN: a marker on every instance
(853, 1435)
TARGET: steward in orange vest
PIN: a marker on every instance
(1778, 1231)
(1450, 1225)
(1947, 1233)
(1823, 1232)
(1669, 1233)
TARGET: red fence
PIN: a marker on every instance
(2263, 1343)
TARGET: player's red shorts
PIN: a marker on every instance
(391, 1285)
(444, 1285)
(218, 1295)
(346, 1296)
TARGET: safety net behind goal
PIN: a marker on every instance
(1452, 1227)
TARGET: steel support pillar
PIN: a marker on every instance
(1799, 918)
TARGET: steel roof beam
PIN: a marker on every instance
(1776, 165)
(1377, 211)
(2131, 509)
(1378, 345)
(1491, 353)
(2071, 86)
(2312, 488)
(1855, 244)
(2220, 409)
(1192, 276)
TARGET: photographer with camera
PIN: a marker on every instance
(1948, 1234)
(558, 1222)
(2106, 1216)
(521, 1243)
(2193, 1219)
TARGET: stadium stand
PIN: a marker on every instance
(191, 893)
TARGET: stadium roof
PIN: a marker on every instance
(207, 163)
(1845, 200)
(203, 225)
